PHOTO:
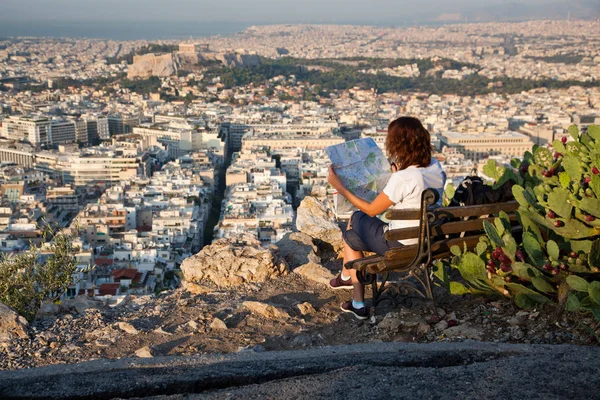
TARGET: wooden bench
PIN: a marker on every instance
(439, 229)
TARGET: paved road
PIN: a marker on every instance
(468, 370)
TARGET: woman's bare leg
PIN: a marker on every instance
(351, 255)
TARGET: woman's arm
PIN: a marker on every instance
(381, 203)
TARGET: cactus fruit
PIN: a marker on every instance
(563, 139)
(551, 214)
(595, 171)
(496, 254)
(504, 259)
(519, 255)
(505, 268)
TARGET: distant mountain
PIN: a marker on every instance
(450, 17)
(514, 11)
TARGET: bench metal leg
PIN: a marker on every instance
(380, 289)
(404, 291)
(428, 288)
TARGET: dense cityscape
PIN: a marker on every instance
(149, 151)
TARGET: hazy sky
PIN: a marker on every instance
(239, 10)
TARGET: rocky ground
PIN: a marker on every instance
(241, 297)
(290, 312)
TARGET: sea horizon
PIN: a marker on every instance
(120, 30)
(124, 30)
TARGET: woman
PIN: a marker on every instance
(408, 145)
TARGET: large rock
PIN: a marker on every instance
(12, 325)
(163, 65)
(315, 220)
(148, 65)
(49, 309)
(265, 310)
(297, 249)
(464, 331)
(127, 328)
(83, 303)
(144, 352)
(306, 308)
(315, 272)
(218, 325)
(238, 59)
(79, 304)
(228, 263)
(194, 288)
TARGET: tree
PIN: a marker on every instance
(188, 99)
(26, 281)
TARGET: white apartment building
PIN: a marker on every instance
(279, 141)
(106, 169)
(35, 130)
(41, 130)
(179, 141)
(266, 175)
(64, 198)
(476, 146)
(82, 169)
(17, 153)
(262, 209)
(234, 132)
(62, 132)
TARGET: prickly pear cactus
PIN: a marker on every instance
(535, 271)
(558, 258)
(559, 189)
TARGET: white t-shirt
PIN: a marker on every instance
(405, 188)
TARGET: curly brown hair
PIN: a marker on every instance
(408, 143)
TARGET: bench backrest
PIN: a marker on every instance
(439, 227)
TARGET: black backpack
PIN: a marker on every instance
(472, 191)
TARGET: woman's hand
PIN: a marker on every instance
(334, 180)
(379, 205)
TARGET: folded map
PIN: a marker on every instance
(363, 169)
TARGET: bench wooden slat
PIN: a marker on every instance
(408, 252)
(447, 228)
(455, 212)
(475, 211)
(408, 214)
(399, 257)
(363, 263)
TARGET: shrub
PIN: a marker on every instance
(26, 281)
(558, 258)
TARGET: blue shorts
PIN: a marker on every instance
(368, 234)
